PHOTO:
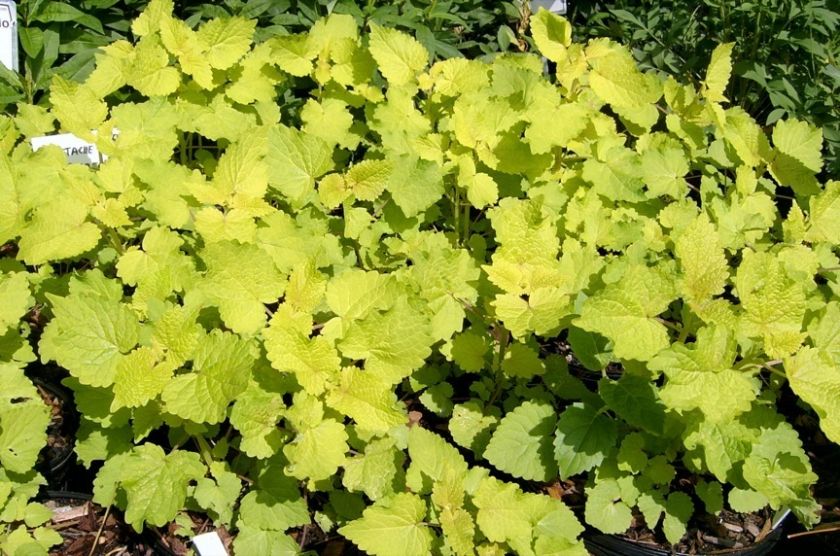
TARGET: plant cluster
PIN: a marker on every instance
(62, 38)
(320, 280)
(787, 51)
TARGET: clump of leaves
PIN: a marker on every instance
(376, 312)
(62, 38)
(23, 424)
(787, 53)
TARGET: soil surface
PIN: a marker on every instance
(88, 528)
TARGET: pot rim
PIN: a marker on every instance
(777, 520)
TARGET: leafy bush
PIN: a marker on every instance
(381, 308)
(61, 38)
(787, 53)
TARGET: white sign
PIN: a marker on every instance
(554, 6)
(78, 151)
(8, 34)
(209, 544)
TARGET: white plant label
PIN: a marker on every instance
(209, 544)
(554, 6)
(78, 151)
(8, 34)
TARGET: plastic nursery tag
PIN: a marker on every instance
(77, 150)
(554, 6)
(8, 34)
(209, 544)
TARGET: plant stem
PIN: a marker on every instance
(115, 241)
(204, 449)
(466, 223)
(502, 338)
(99, 532)
(774, 370)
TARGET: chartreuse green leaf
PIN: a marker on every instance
(218, 494)
(177, 332)
(521, 443)
(157, 269)
(774, 304)
(24, 542)
(522, 361)
(250, 540)
(15, 299)
(221, 369)
(432, 460)
(240, 279)
(313, 361)
(317, 451)
(401, 208)
(779, 468)
(797, 156)
(718, 73)
(634, 399)
(584, 437)
(552, 34)
(605, 509)
(711, 493)
(146, 68)
(393, 343)
(330, 120)
(823, 224)
(255, 415)
(616, 80)
(626, 312)
(471, 425)
(226, 40)
(704, 266)
(814, 376)
(415, 184)
(89, 335)
(23, 420)
(507, 515)
(678, 510)
(399, 57)
(664, 171)
(469, 350)
(140, 377)
(746, 501)
(77, 107)
(376, 471)
(354, 293)
(392, 526)
(274, 503)
(368, 400)
(457, 524)
(57, 230)
(11, 217)
(720, 446)
(696, 376)
(154, 483)
(295, 160)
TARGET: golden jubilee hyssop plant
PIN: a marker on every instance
(293, 243)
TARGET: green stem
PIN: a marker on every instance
(115, 240)
(456, 212)
(775, 371)
(466, 223)
(204, 449)
(503, 336)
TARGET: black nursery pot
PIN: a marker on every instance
(613, 545)
(56, 458)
